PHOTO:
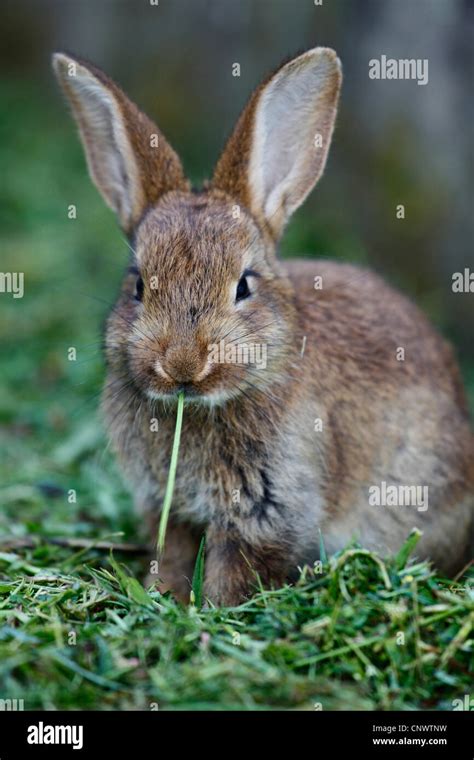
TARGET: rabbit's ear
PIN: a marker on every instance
(279, 147)
(129, 160)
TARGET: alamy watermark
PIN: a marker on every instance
(466, 703)
(254, 354)
(385, 495)
(463, 282)
(399, 68)
(42, 733)
(12, 282)
(12, 705)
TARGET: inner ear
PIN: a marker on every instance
(279, 147)
(110, 157)
(129, 160)
(289, 117)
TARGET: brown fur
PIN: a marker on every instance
(159, 168)
(251, 432)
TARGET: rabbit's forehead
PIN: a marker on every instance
(197, 230)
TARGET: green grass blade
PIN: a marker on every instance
(322, 549)
(171, 476)
(198, 576)
(402, 557)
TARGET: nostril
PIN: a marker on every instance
(161, 371)
(204, 371)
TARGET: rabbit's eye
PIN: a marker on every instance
(242, 289)
(139, 288)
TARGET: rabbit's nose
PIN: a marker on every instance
(183, 366)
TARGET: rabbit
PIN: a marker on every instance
(353, 396)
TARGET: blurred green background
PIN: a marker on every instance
(395, 143)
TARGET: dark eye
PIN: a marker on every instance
(139, 288)
(242, 289)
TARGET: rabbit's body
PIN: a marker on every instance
(303, 456)
(355, 424)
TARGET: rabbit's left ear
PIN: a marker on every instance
(280, 144)
(129, 160)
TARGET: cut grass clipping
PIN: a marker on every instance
(358, 633)
(165, 512)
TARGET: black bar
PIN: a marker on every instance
(138, 734)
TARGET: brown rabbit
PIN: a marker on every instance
(316, 396)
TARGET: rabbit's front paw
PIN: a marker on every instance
(235, 569)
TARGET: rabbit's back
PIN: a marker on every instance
(392, 410)
(361, 324)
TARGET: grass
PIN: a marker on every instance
(80, 630)
(165, 512)
(77, 629)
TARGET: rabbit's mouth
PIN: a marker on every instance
(214, 387)
(217, 397)
(189, 390)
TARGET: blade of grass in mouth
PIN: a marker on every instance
(171, 476)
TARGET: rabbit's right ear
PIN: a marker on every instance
(129, 160)
(279, 147)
